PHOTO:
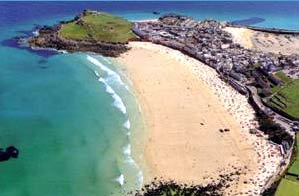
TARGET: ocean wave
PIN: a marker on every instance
(120, 180)
(106, 61)
(35, 33)
(117, 100)
(97, 74)
(131, 161)
(113, 76)
(127, 149)
(127, 124)
(63, 51)
(140, 179)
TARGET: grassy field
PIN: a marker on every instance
(288, 188)
(294, 169)
(98, 27)
(289, 185)
(73, 31)
(283, 76)
(286, 96)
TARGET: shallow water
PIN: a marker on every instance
(69, 130)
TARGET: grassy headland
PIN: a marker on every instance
(285, 97)
(98, 26)
(91, 31)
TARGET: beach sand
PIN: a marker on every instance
(242, 36)
(269, 42)
(184, 106)
(265, 42)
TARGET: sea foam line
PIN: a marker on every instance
(131, 161)
(35, 33)
(106, 61)
(127, 124)
(119, 104)
(117, 100)
(127, 150)
(120, 180)
(112, 74)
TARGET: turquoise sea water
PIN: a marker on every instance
(69, 114)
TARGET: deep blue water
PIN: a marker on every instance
(276, 14)
(70, 131)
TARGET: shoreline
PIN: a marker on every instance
(130, 174)
(243, 36)
(240, 117)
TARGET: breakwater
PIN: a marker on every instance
(265, 29)
(274, 30)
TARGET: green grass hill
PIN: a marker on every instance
(98, 26)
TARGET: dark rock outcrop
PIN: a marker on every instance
(48, 38)
(10, 152)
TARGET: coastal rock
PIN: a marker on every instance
(10, 152)
(48, 38)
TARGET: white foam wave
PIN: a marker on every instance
(130, 160)
(140, 178)
(127, 149)
(117, 100)
(63, 51)
(114, 77)
(35, 33)
(120, 179)
(112, 74)
(127, 124)
(97, 74)
(106, 61)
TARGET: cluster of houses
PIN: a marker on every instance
(208, 42)
(242, 68)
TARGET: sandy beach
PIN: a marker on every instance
(269, 42)
(266, 42)
(242, 36)
(197, 127)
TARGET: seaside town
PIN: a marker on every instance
(263, 78)
(251, 72)
(244, 69)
